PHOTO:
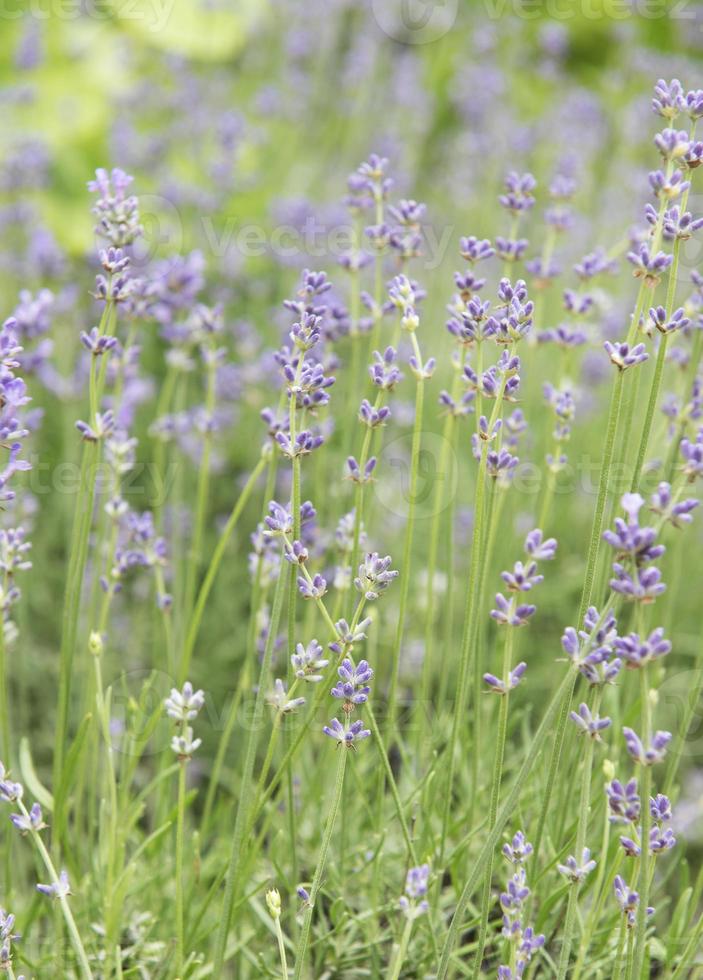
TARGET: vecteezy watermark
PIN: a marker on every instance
(415, 21)
(436, 462)
(591, 10)
(311, 238)
(153, 14)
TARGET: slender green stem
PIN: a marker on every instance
(281, 947)
(507, 811)
(621, 946)
(214, 566)
(244, 805)
(78, 557)
(4, 700)
(495, 795)
(406, 573)
(598, 898)
(646, 791)
(180, 845)
(321, 862)
(63, 899)
(440, 491)
(581, 832)
(402, 950)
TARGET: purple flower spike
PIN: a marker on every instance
(589, 724)
(57, 889)
(574, 871)
(660, 808)
(314, 589)
(508, 613)
(498, 686)
(375, 575)
(669, 100)
(623, 801)
(523, 577)
(352, 686)
(518, 196)
(638, 652)
(624, 357)
(692, 453)
(647, 755)
(346, 737)
(539, 548)
(676, 513)
(518, 850)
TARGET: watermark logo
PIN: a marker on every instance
(415, 21)
(436, 463)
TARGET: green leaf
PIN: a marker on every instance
(31, 780)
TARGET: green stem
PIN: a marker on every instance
(213, 568)
(63, 899)
(180, 842)
(195, 557)
(321, 861)
(407, 550)
(646, 791)
(495, 796)
(581, 831)
(402, 950)
(244, 805)
(507, 811)
(281, 947)
(621, 946)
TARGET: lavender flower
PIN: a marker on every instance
(647, 755)
(628, 900)
(184, 705)
(692, 453)
(312, 589)
(575, 872)
(308, 661)
(352, 686)
(375, 575)
(116, 211)
(278, 699)
(416, 885)
(512, 902)
(384, 373)
(184, 745)
(346, 737)
(538, 548)
(499, 686)
(623, 801)
(589, 724)
(347, 637)
(668, 324)
(33, 821)
(57, 889)
(518, 196)
(677, 513)
(7, 938)
(518, 850)
(629, 538)
(638, 652)
(623, 356)
(509, 613)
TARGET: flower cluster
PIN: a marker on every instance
(413, 902)
(183, 707)
(523, 940)
(512, 612)
(591, 648)
(636, 549)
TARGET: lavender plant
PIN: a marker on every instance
(238, 738)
